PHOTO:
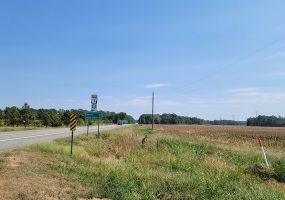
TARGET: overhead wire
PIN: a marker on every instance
(228, 66)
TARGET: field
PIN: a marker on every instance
(171, 162)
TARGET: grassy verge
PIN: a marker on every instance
(8, 129)
(138, 163)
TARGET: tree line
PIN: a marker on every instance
(176, 119)
(26, 116)
(263, 120)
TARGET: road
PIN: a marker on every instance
(15, 139)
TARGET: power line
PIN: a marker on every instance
(224, 68)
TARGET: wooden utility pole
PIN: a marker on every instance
(152, 109)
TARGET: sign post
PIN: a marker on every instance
(98, 129)
(94, 116)
(87, 127)
(72, 126)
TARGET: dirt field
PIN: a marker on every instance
(273, 137)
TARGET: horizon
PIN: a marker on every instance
(208, 60)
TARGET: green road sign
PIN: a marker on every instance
(93, 115)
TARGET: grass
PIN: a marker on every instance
(175, 162)
(18, 128)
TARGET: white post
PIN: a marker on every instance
(263, 151)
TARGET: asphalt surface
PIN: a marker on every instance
(15, 139)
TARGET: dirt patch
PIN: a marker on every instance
(19, 181)
(17, 159)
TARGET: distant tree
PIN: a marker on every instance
(266, 121)
(54, 118)
(43, 116)
(2, 114)
(27, 115)
(65, 117)
(2, 117)
(119, 116)
(130, 119)
(12, 116)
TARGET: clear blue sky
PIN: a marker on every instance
(208, 59)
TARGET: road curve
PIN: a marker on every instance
(15, 139)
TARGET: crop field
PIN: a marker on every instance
(135, 162)
(274, 136)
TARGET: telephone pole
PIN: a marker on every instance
(152, 109)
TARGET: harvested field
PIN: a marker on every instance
(274, 137)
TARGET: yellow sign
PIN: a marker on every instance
(72, 122)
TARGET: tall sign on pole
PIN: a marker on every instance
(93, 114)
(94, 103)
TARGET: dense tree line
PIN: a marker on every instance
(266, 121)
(26, 116)
(170, 119)
(228, 122)
(176, 119)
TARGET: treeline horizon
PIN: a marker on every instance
(261, 120)
(270, 121)
(171, 118)
(26, 116)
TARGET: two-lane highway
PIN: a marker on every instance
(10, 140)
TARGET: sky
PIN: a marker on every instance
(221, 59)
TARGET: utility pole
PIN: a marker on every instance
(152, 108)
(256, 116)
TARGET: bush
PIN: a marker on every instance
(279, 170)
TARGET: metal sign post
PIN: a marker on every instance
(87, 127)
(72, 126)
(98, 129)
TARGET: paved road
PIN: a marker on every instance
(10, 140)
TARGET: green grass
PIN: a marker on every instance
(117, 166)
(19, 128)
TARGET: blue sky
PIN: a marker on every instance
(210, 59)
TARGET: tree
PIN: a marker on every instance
(13, 116)
(2, 117)
(266, 121)
(43, 117)
(119, 116)
(65, 117)
(27, 115)
(54, 118)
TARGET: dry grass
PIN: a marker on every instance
(19, 178)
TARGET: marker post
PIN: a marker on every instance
(98, 129)
(260, 140)
(71, 144)
(87, 127)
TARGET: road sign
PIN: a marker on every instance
(72, 122)
(94, 99)
(93, 115)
